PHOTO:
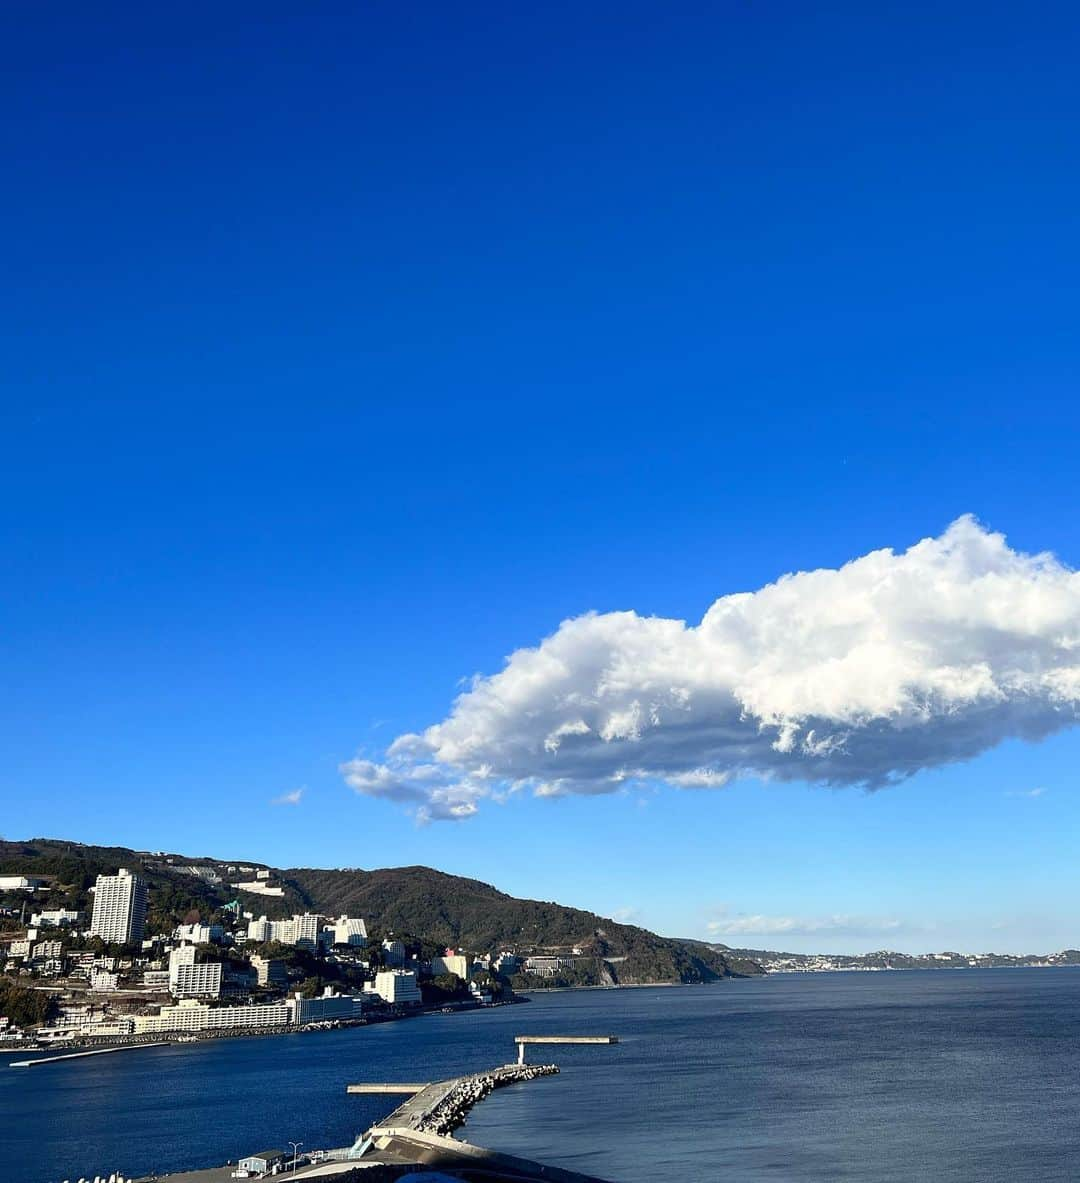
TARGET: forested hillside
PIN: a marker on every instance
(410, 901)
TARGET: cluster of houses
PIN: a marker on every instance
(206, 977)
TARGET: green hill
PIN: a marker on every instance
(415, 901)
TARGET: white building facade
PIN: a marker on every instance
(198, 980)
(349, 931)
(396, 987)
(190, 1015)
(119, 908)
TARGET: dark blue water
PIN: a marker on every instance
(971, 1075)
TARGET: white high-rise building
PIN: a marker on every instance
(259, 931)
(306, 930)
(178, 959)
(119, 908)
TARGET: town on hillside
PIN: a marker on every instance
(78, 975)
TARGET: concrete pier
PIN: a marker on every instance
(523, 1040)
(439, 1108)
(97, 1051)
(418, 1132)
(387, 1088)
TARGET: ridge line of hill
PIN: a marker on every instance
(423, 903)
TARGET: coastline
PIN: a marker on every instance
(161, 1039)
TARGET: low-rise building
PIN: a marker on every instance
(57, 918)
(482, 994)
(547, 967)
(20, 883)
(190, 1015)
(261, 1163)
(260, 887)
(103, 981)
(199, 934)
(108, 1027)
(325, 1008)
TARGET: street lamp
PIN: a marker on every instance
(295, 1147)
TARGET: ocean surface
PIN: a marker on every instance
(935, 1075)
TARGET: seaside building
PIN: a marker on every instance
(105, 1026)
(119, 908)
(190, 1015)
(197, 980)
(325, 1008)
(506, 964)
(547, 967)
(262, 1163)
(397, 987)
(451, 963)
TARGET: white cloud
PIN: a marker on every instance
(865, 675)
(292, 798)
(1031, 793)
(846, 925)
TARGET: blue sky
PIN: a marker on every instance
(349, 349)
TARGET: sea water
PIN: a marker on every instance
(921, 1075)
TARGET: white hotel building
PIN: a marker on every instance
(191, 1015)
(396, 987)
(198, 980)
(119, 908)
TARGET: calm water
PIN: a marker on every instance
(967, 1076)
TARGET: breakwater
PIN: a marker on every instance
(98, 1051)
(442, 1108)
(418, 1134)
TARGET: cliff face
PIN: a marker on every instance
(415, 901)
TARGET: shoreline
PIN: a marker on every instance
(86, 1045)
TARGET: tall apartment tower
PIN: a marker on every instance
(119, 908)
